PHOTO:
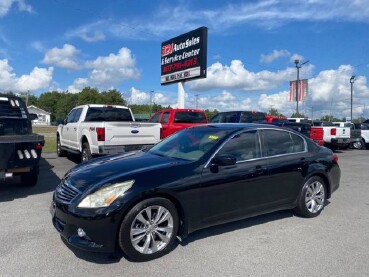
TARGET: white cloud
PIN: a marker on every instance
(113, 69)
(92, 32)
(139, 97)
(329, 93)
(5, 6)
(78, 85)
(39, 78)
(236, 76)
(276, 54)
(143, 98)
(62, 57)
(279, 101)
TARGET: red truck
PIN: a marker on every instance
(173, 120)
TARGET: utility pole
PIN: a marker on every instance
(298, 66)
(352, 80)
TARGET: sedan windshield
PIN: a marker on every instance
(190, 144)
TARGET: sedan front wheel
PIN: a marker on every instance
(149, 229)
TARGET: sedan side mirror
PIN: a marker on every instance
(223, 160)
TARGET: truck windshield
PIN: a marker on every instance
(108, 114)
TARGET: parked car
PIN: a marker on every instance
(355, 132)
(93, 129)
(198, 177)
(300, 119)
(174, 120)
(239, 117)
(275, 118)
(327, 134)
(303, 128)
(364, 142)
(20, 149)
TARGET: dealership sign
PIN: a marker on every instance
(184, 57)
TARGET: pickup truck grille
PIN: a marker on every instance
(65, 192)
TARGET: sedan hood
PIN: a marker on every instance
(113, 167)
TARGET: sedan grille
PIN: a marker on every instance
(65, 192)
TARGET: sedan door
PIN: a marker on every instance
(233, 191)
(288, 159)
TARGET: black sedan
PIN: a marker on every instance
(201, 176)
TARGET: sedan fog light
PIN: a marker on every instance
(81, 233)
(27, 154)
(20, 155)
(34, 154)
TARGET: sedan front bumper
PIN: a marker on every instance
(100, 231)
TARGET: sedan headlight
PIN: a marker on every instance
(104, 197)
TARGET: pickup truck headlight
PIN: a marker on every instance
(104, 197)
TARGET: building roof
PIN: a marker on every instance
(36, 108)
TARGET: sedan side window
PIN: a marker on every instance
(282, 142)
(298, 143)
(243, 146)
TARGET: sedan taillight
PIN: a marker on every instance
(335, 158)
(100, 134)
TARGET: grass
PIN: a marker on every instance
(49, 132)
(50, 145)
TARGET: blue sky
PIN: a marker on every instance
(67, 45)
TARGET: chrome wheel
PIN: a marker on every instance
(358, 144)
(315, 197)
(151, 230)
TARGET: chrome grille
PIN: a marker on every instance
(65, 192)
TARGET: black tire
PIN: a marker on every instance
(29, 179)
(149, 233)
(59, 151)
(86, 152)
(358, 145)
(315, 189)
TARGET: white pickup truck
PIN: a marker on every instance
(91, 130)
(326, 133)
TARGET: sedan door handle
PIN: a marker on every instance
(259, 170)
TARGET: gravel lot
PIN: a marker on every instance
(279, 244)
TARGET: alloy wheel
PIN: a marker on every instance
(151, 230)
(315, 197)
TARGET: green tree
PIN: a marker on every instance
(32, 100)
(49, 101)
(273, 112)
(210, 114)
(113, 96)
(298, 115)
(89, 96)
(65, 104)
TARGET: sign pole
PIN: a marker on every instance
(181, 95)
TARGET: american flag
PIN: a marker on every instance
(303, 90)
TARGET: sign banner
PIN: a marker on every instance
(184, 57)
(303, 89)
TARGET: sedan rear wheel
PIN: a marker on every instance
(149, 229)
(312, 198)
